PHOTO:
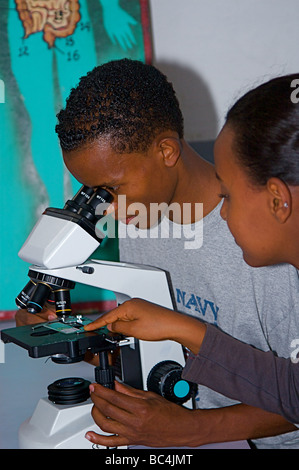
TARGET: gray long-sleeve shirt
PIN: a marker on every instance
(242, 372)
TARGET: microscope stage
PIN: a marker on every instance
(60, 337)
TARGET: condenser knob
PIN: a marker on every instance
(165, 378)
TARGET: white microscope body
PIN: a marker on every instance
(58, 246)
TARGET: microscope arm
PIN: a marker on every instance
(124, 279)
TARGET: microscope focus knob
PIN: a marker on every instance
(165, 378)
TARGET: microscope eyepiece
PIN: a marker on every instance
(82, 197)
(89, 210)
(86, 201)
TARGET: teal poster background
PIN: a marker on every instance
(46, 46)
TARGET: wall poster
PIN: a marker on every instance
(46, 46)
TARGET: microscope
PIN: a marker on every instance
(57, 249)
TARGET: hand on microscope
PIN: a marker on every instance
(150, 322)
(23, 317)
(137, 417)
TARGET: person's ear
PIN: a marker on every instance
(170, 150)
(280, 199)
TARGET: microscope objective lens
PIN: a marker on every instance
(38, 298)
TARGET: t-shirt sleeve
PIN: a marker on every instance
(244, 373)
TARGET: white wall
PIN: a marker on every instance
(215, 50)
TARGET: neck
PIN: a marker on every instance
(197, 183)
(289, 245)
(292, 251)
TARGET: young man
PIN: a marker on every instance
(122, 129)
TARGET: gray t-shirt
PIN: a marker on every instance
(211, 281)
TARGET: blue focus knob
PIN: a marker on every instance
(165, 378)
(181, 389)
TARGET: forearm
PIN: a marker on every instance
(188, 331)
(238, 422)
(241, 372)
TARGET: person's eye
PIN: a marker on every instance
(112, 189)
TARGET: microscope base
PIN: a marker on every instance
(58, 427)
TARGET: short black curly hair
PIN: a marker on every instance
(125, 100)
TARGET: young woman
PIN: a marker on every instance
(257, 163)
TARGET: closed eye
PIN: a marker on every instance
(112, 189)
